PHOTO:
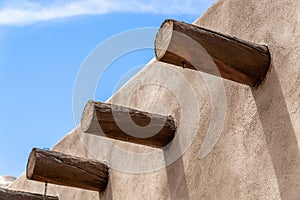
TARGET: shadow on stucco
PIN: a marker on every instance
(279, 135)
(107, 194)
(178, 188)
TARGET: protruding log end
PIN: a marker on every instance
(127, 124)
(31, 164)
(90, 117)
(193, 47)
(61, 169)
(163, 39)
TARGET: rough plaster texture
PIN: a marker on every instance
(257, 154)
(5, 181)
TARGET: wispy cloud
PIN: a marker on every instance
(20, 12)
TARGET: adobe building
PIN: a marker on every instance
(234, 139)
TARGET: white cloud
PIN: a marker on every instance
(20, 12)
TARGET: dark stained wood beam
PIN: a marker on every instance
(127, 124)
(197, 48)
(6, 194)
(61, 169)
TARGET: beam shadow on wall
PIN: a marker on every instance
(107, 194)
(178, 188)
(280, 136)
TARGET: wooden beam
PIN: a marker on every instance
(6, 194)
(197, 48)
(127, 124)
(61, 169)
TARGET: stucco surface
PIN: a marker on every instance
(6, 180)
(256, 155)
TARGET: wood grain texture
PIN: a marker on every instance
(127, 124)
(6, 194)
(61, 169)
(218, 54)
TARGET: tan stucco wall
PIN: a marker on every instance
(257, 153)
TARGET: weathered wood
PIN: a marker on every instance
(6, 194)
(197, 48)
(61, 169)
(127, 124)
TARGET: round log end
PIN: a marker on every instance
(87, 116)
(31, 164)
(163, 38)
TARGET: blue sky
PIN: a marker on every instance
(42, 46)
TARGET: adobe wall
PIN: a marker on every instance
(257, 153)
